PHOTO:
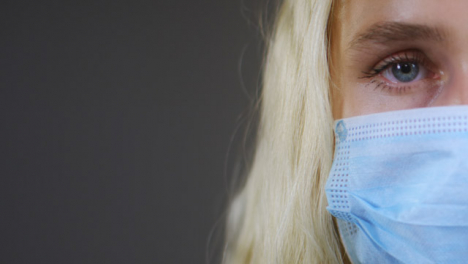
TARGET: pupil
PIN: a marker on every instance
(406, 68)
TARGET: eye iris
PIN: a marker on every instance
(405, 72)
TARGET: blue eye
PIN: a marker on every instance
(405, 72)
(402, 71)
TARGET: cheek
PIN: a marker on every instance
(337, 103)
(362, 99)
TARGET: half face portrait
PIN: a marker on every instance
(362, 146)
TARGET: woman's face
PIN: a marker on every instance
(395, 54)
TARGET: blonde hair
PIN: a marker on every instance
(280, 215)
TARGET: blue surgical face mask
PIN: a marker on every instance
(398, 186)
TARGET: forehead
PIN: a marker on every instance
(357, 15)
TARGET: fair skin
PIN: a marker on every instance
(395, 55)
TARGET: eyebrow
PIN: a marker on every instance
(388, 32)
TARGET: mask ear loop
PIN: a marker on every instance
(334, 91)
(343, 252)
(333, 88)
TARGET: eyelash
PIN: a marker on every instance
(411, 56)
(384, 86)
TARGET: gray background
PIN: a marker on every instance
(116, 122)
